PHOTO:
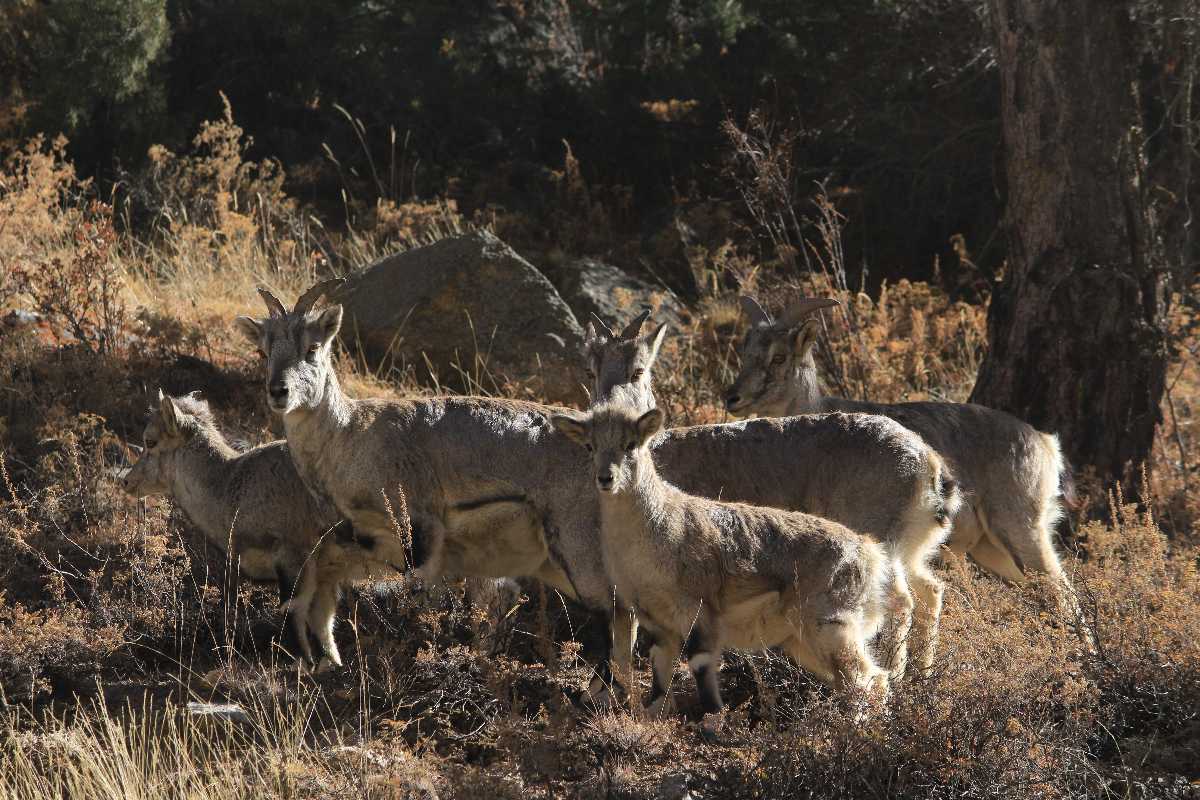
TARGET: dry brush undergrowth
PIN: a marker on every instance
(114, 614)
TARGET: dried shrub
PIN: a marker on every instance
(81, 292)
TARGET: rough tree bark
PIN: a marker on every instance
(1077, 328)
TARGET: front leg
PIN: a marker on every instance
(703, 653)
(615, 670)
(664, 658)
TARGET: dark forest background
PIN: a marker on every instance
(892, 104)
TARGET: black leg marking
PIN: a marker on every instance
(420, 545)
(694, 644)
(314, 645)
(288, 639)
(286, 584)
(657, 690)
(706, 687)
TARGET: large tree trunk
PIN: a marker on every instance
(1077, 327)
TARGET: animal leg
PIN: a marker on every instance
(927, 589)
(799, 651)
(322, 616)
(616, 669)
(295, 597)
(892, 647)
(664, 658)
(1036, 554)
(703, 652)
(840, 644)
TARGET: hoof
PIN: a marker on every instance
(605, 696)
(713, 729)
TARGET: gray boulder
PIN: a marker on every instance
(593, 287)
(478, 312)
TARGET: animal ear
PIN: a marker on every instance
(656, 340)
(170, 415)
(804, 337)
(602, 328)
(329, 322)
(250, 328)
(574, 428)
(649, 424)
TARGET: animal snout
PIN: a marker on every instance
(605, 481)
(278, 392)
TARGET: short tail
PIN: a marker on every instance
(1066, 486)
(947, 495)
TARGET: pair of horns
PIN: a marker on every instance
(306, 301)
(631, 330)
(790, 318)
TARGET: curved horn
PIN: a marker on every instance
(602, 327)
(800, 309)
(756, 313)
(635, 325)
(275, 307)
(309, 298)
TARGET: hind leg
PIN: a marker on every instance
(1015, 547)
(927, 589)
(892, 648)
(842, 647)
(799, 651)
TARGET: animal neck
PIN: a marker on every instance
(804, 388)
(331, 413)
(638, 395)
(644, 496)
(201, 473)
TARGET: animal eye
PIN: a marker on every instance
(589, 447)
(313, 348)
(777, 360)
(151, 444)
(637, 374)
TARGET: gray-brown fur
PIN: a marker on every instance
(251, 505)
(1010, 472)
(704, 574)
(821, 464)
(490, 488)
(622, 362)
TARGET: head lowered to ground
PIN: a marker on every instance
(296, 346)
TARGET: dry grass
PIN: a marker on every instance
(114, 614)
